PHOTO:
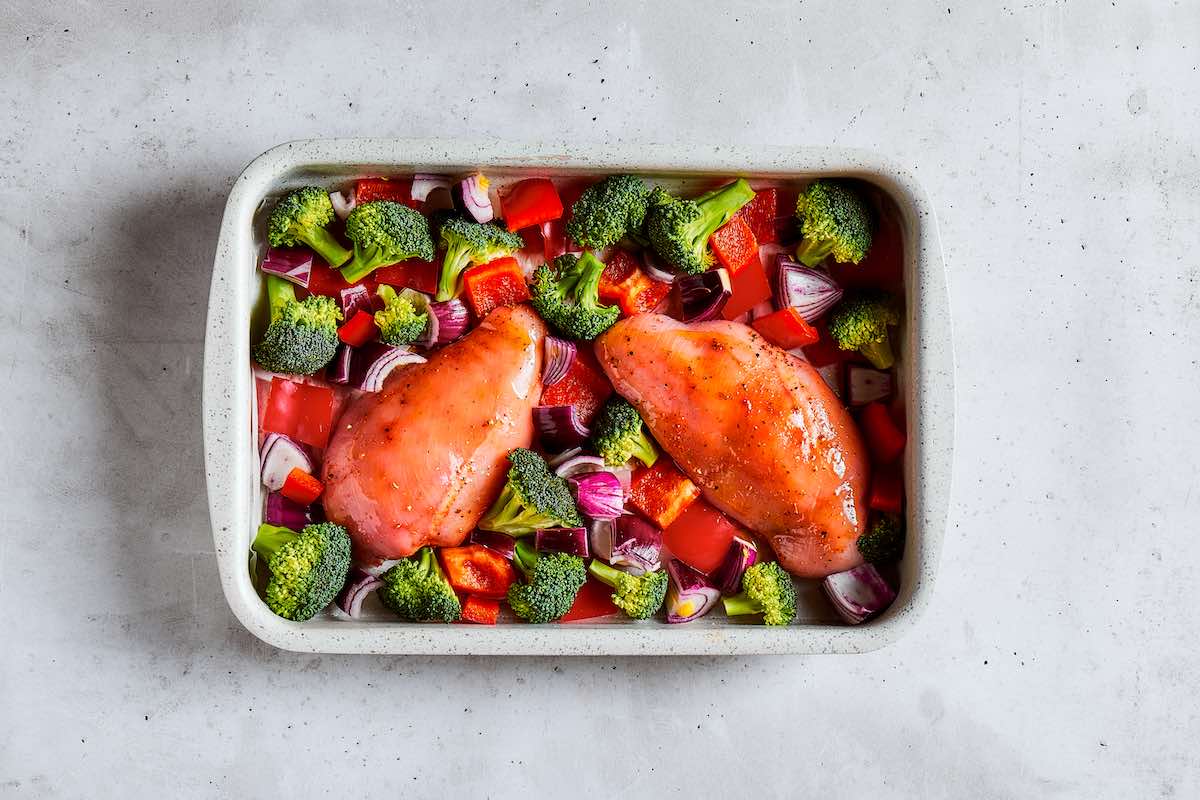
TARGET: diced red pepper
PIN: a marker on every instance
(887, 490)
(494, 284)
(825, 351)
(593, 601)
(474, 569)
(884, 438)
(734, 245)
(883, 266)
(326, 281)
(760, 213)
(299, 410)
(480, 610)
(662, 492)
(359, 330)
(367, 190)
(584, 387)
(750, 287)
(621, 265)
(300, 487)
(647, 299)
(530, 202)
(624, 283)
(700, 536)
(554, 238)
(413, 274)
(786, 328)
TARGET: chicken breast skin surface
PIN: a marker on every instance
(419, 462)
(757, 429)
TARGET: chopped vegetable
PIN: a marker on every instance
(423, 185)
(701, 297)
(742, 555)
(302, 336)
(690, 595)
(573, 541)
(887, 490)
(359, 584)
(558, 355)
(530, 202)
(884, 438)
(355, 298)
(413, 273)
(559, 427)
(286, 513)
(292, 264)
(766, 590)
(786, 329)
(278, 456)
(554, 239)
(835, 219)
(565, 295)
(760, 214)
(470, 197)
(532, 498)
(469, 243)
(619, 435)
(478, 570)
(384, 232)
(302, 217)
(480, 610)
(499, 542)
(861, 323)
(551, 582)
(416, 589)
(810, 291)
(662, 492)
(338, 370)
(302, 488)
(497, 283)
(865, 385)
(858, 593)
(636, 545)
(750, 287)
(701, 536)
(609, 211)
(644, 296)
(620, 267)
(343, 203)
(599, 495)
(359, 330)
(639, 596)
(883, 542)
(679, 230)
(452, 319)
(299, 410)
(592, 601)
(734, 245)
(307, 568)
(372, 363)
(370, 190)
(404, 318)
(600, 536)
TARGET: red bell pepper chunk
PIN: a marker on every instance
(367, 190)
(530, 202)
(494, 284)
(662, 492)
(480, 610)
(759, 214)
(750, 287)
(474, 569)
(299, 410)
(884, 438)
(825, 351)
(359, 330)
(554, 239)
(327, 281)
(887, 490)
(647, 298)
(786, 328)
(700, 536)
(624, 283)
(300, 487)
(734, 245)
(593, 601)
(413, 274)
(621, 266)
(584, 387)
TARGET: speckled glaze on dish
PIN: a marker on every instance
(926, 375)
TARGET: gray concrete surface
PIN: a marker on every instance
(1059, 142)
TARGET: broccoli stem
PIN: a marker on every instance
(269, 539)
(810, 253)
(879, 354)
(325, 245)
(453, 263)
(279, 294)
(740, 605)
(719, 205)
(365, 262)
(525, 557)
(643, 450)
(604, 573)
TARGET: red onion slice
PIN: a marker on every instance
(636, 545)
(285, 513)
(471, 196)
(600, 536)
(423, 184)
(557, 361)
(452, 319)
(501, 543)
(359, 585)
(579, 464)
(867, 385)
(701, 297)
(810, 291)
(727, 577)
(655, 268)
(356, 298)
(278, 457)
(858, 593)
(599, 495)
(572, 541)
(343, 203)
(690, 595)
(338, 370)
(290, 263)
(559, 427)
(374, 361)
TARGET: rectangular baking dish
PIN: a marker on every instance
(926, 379)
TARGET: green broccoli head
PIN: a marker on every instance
(417, 589)
(302, 217)
(768, 590)
(834, 218)
(611, 210)
(533, 498)
(861, 323)
(679, 230)
(551, 582)
(618, 434)
(307, 568)
(883, 542)
(639, 596)
(385, 233)
(404, 317)
(302, 335)
(469, 243)
(567, 297)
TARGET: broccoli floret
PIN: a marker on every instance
(768, 590)
(400, 322)
(834, 218)
(470, 243)
(611, 210)
(417, 589)
(308, 568)
(533, 498)
(883, 542)
(618, 435)
(385, 233)
(302, 335)
(552, 581)
(301, 218)
(567, 297)
(861, 323)
(679, 230)
(639, 596)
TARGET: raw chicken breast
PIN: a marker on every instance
(757, 429)
(421, 461)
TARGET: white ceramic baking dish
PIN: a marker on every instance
(231, 462)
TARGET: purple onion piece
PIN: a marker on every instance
(690, 595)
(636, 545)
(343, 203)
(577, 464)
(600, 536)
(286, 513)
(374, 361)
(278, 456)
(557, 361)
(471, 198)
(727, 577)
(701, 297)
(501, 543)
(356, 298)
(452, 319)
(810, 291)
(867, 385)
(655, 268)
(290, 263)
(423, 184)
(572, 541)
(858, 593)
(338, 370)
(599, 495)
(359, 585)
(559, 427)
